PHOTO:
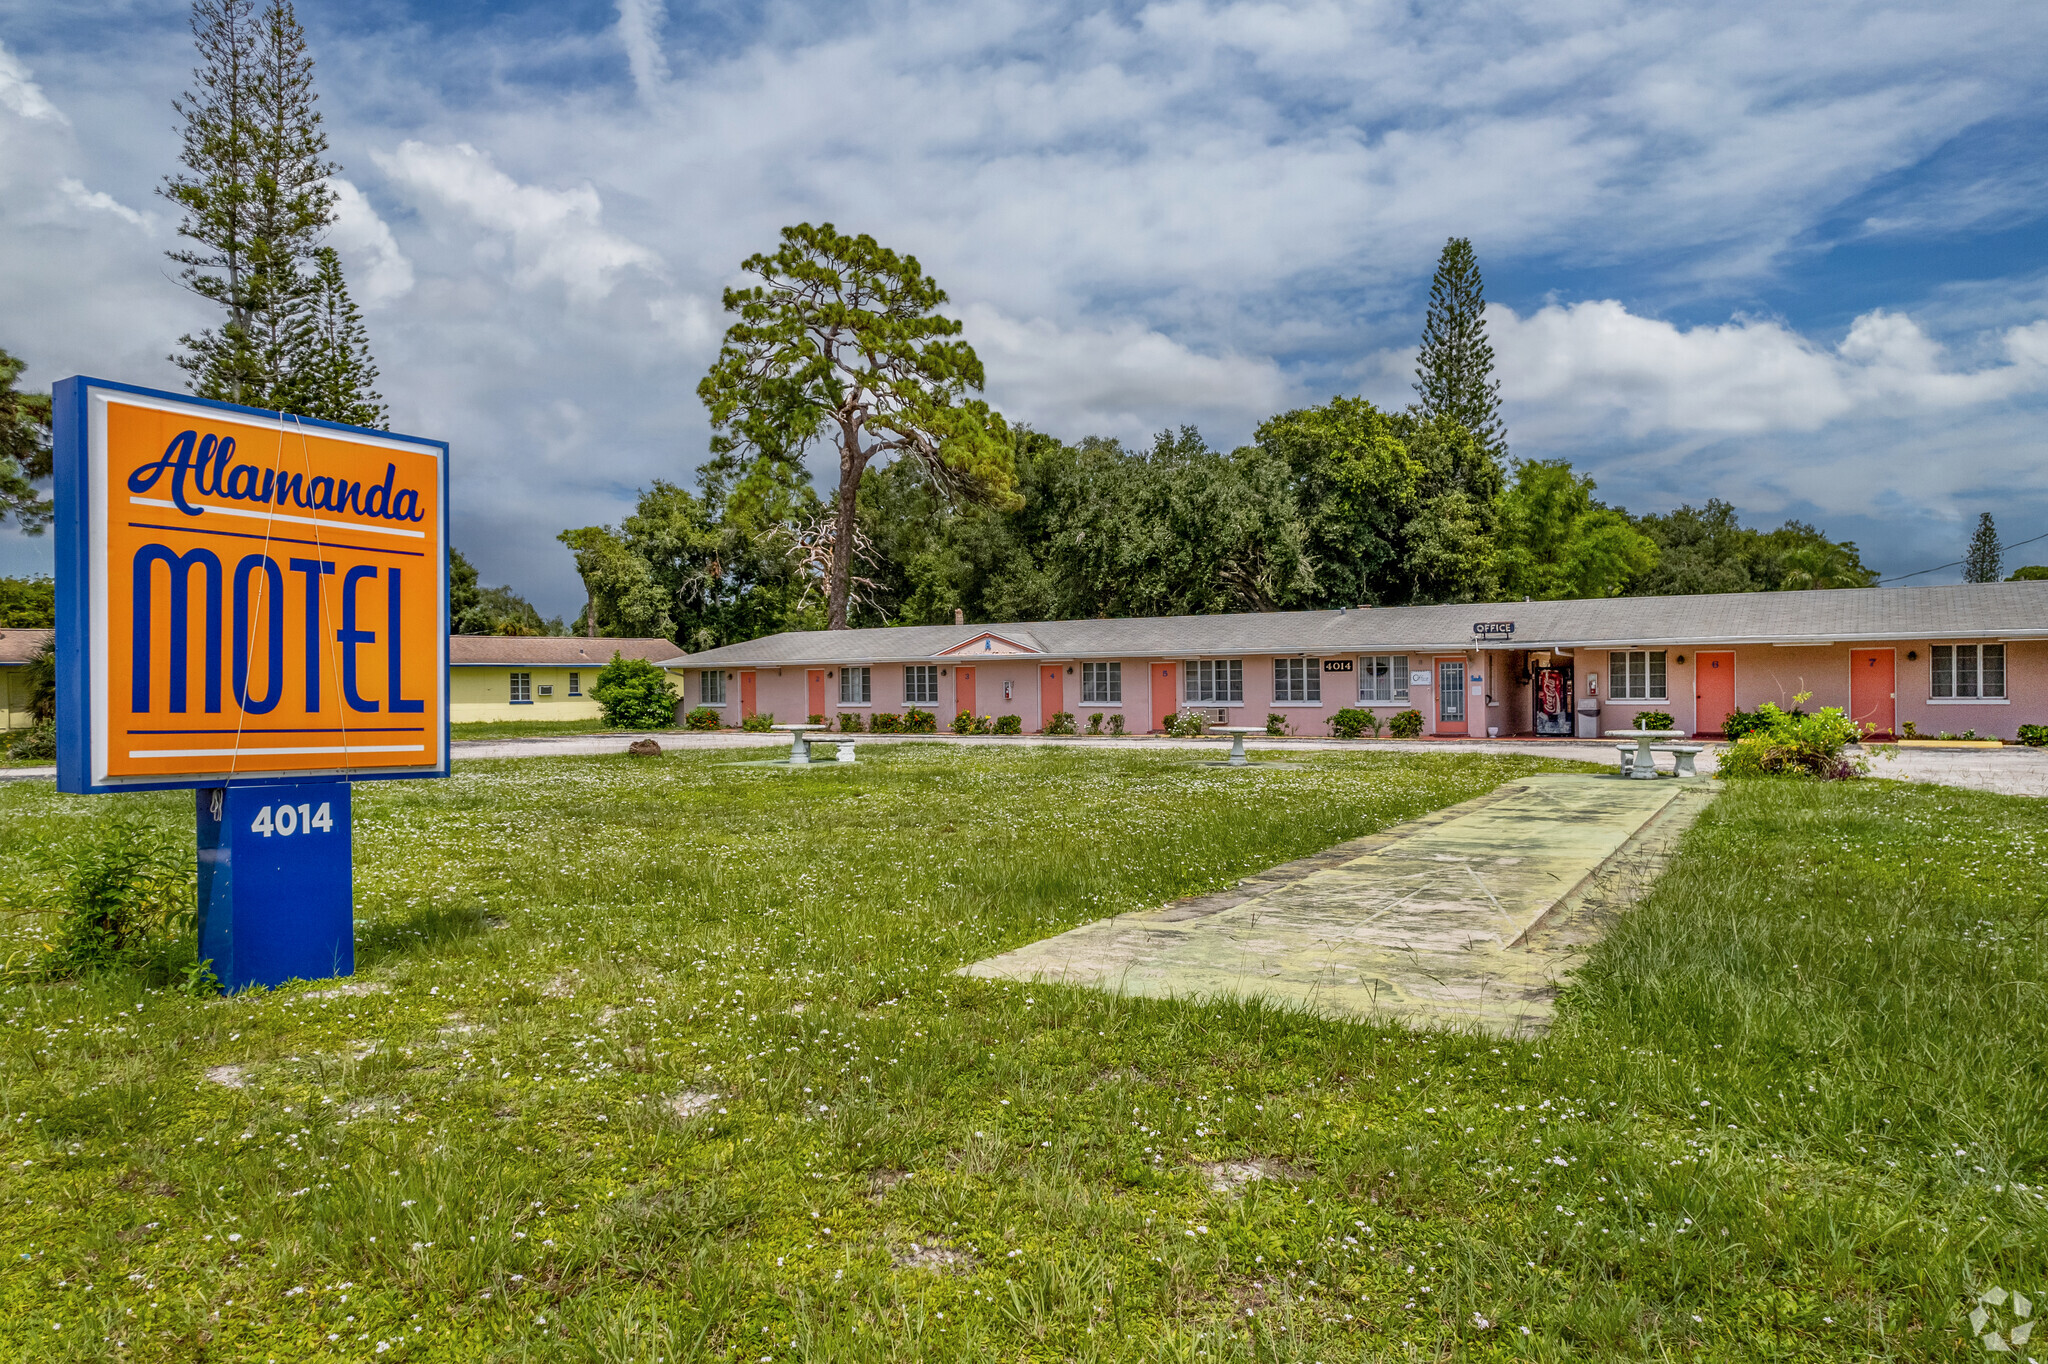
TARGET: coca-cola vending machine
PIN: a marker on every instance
(1551, 686)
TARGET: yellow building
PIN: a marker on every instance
(494, 677)
(17, 647)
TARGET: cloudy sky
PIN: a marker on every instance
(1794, 256)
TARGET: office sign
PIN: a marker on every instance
(244, 596)
(1494, 629)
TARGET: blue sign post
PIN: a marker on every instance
(252, 606)
(276, 882)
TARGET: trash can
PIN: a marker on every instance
(1589, 717)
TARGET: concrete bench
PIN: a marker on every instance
(1682, 756)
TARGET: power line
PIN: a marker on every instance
(1901, 577)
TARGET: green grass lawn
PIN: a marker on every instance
(663, 1060)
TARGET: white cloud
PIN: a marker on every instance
(1176, 210)
(1116, 380)
(554, 235)
(640, 24)
(379, 270)
(98, 201)
(22, 95)
(1584, 365)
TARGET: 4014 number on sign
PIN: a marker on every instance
(286, 820)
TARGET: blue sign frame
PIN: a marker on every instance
(70, 404)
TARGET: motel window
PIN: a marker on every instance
(855, 687)
(920, 684)
(1969, 672)
(575, 684)
(1102, 684)
(1298, 680)
(522, 688)
(710, 687)
(1383, 678)
(1636, 675)
(1215, 681)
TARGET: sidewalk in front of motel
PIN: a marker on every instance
(2009, 771)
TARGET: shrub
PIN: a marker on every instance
(814, 719)
(1276, 725)
(121, 896)
(1406, 725)
(1188, 724)
(1741, 722)
(1373, 722)
(760, 722)
(917, 721)
(1062, 723)
(1909, 730)
(849, 722)
(38, 743)
(1009, 724)
(1655, 719)
(964, 723)
(2034, 736)
(887, 722)
(1116, 723)
(1095, 723)
(634, 694)
(1793, 743)
(1349, 722)
(703, 718)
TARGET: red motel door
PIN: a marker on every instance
(1873, 688)
(746, 695)
(816, 679)
(1713, 690)
(1051, 698)
(963, 690)
(1164, 702)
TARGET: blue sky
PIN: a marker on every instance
(1793, 256)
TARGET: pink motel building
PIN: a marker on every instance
(1969, 657)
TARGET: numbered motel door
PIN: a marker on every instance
(266, 598)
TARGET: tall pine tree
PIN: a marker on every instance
(1454, 372)
(1985, 560)
(255, 197)
(331, 374)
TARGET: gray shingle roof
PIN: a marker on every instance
(19, 644)
(1962, 611)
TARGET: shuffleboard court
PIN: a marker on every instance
(1471, 915)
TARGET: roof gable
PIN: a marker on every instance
(989, 642)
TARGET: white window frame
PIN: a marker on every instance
(711, 687)
(1391, 669)
(1213, 681)
(920, 684)
(519, 688)
(1102, 683)
(857, 686)
(545, 689)
(1985, 685)
(575, 684)
(1635, 674)
(1297, 681)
